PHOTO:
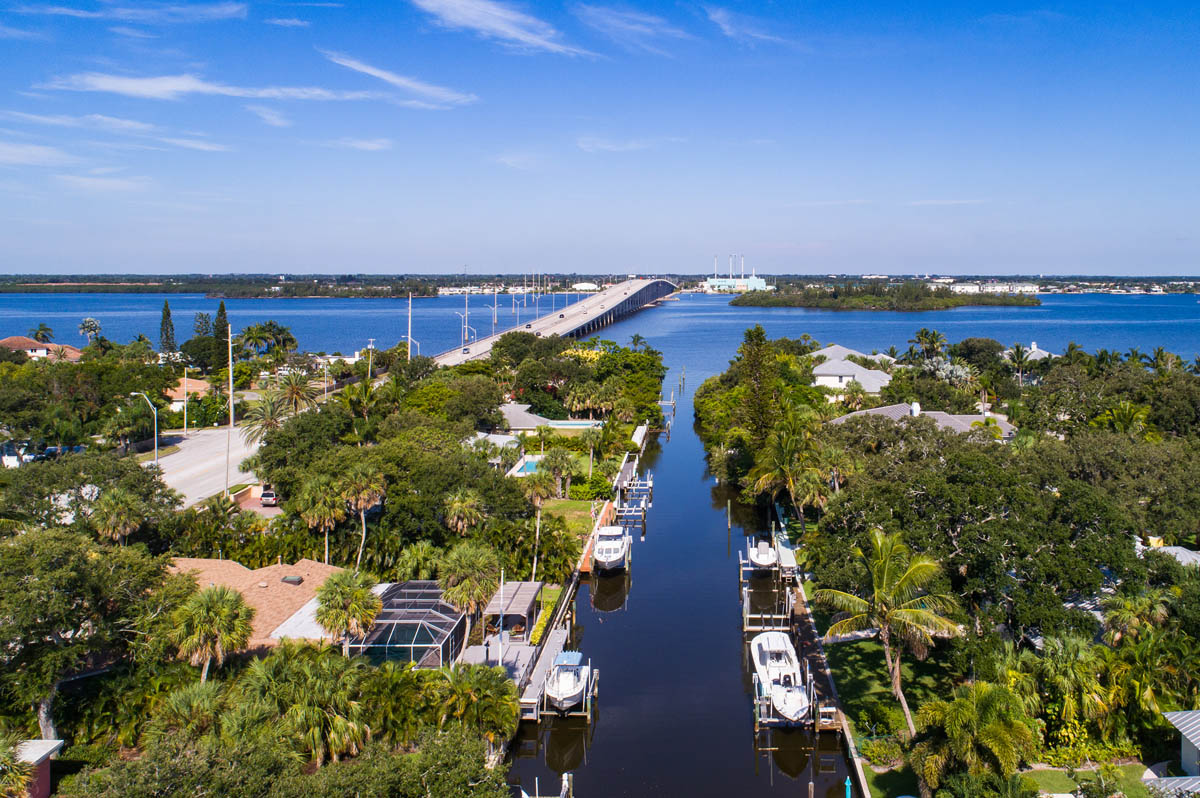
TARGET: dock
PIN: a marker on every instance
(533, 695)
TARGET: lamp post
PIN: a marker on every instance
(185, 401)
(229, 432)
(493, 309)
(154, 410)
(370, 358)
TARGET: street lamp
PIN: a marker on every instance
(493, 309)
(154, 410)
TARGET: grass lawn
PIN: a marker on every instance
(578, 514)
(892, 784)
(1059, 781)
(861, 677)
(163, 451)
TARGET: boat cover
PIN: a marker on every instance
(569, 658)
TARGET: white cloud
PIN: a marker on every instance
(16, 33)
(13, 154)
(740, 27)
(494, 20)
(518, 160)
(438, 94)
(196, 144)
(288, 22)
(593, 144)
(932, 202)
(151, 14)
(132, 33)
(269, 115)
(172, 87)
(631, 29)
(366, 145)
(104, 184)
(91, 121)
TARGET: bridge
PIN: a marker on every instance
(575, 321)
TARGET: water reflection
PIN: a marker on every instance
(610, 592)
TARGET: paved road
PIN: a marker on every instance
(197, 470)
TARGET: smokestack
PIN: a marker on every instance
(714, 267)
(743, 267)
(730, 267)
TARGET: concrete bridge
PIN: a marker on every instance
(579, 320)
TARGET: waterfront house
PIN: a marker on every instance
(187, 387)
(838, 374)
(518, 419)
(839, 352)
(955, 422)
(1034, 352)
(36, 350)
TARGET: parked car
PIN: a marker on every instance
(269, 498)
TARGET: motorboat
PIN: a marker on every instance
(568, 680)
(763, 555)
(612, 548)
(780, 676)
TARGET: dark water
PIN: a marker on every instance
(674, 714)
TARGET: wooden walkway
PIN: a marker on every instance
(531, 698)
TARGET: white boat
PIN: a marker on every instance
(612, 548)
(763, 555)
(779, 675)
(568, 680)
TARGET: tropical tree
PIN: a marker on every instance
(1018, 358)
(1129, 418)
(297, 389)
(990, 427)
(1069, 673)
(780, 466)
(543, 434)
(89, 328)
(983, 728)
(362, 487)
(42, 333)
(211, 624)
(930, 342)
(591, 438)
(469, 575)
(166, 330)
(895, 606)
(255, 338)
(418, 561)
(481, 698)
(636, 341)
(117, 514)
(347, 606)
(464, 510)
(538, 488)
(393, 697)
(558, 462)
(263, 416)
(321, 506)
(1128, 616)
(16, 774)
(193, 711)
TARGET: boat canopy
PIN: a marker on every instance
(573, 658)
(611, 532)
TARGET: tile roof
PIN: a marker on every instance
(54, 351)
(957, 423)
(872, 381)
(194, 388)
(839, 352)
(273, 600)
(1174, 786)
(518, 417)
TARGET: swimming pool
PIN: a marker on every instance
(528, 467)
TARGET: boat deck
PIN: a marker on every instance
(531, 698)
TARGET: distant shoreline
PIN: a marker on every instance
(884, 302)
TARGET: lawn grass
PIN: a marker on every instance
(1058, 781)
(163, 451)
(893, 783)
(577, 514)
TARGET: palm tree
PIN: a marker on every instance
(418, 561)
(896, 606)
(1127, 617)
(255, 338)
(393, 697)
(16, 775)
(211, 624)
(1018, 358)
(636, 341)
(360, 398)
(1017, 669)
(1129, 418)
(591, 438)
(347, 606)
(558, 463)
(469, 575)
(779, 467)
(1163, 361)
(117, 514)
(264, 416)
(982, 729)
(297, 389)
(537, 487)
(321, 506)
(990, 427)
(1069, 670)
(481, 698)
(90, 328)
(543, 433)
(193, 711)
(464, 510)
(931, 342)
(362, 487)
(42, 333)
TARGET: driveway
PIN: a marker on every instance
(197, 470)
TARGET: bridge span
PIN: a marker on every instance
(575, 321)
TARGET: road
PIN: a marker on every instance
(197, 470)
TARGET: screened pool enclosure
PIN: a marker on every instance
(415, 625)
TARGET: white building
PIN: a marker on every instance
(838, 374)
(965, 288)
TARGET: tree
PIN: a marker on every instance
(982, 729)
(220, 325)
(591, 438)
(166, 330)
(1018, 358)
(636, 341)
(263, 416)
(297, 389)
(90, 328)
(537, 488)
(895, 606)
(362, 487)
(990, 427)
(321, 506)
(418, 561)
(757, 372)
(202, 325)
(42, 333)
(15, 774)
(1128, 616)
(469, 575)
(212, 624)
(1128, 418)
(347, 606)
(117, 514)
(482, 698)
(543, 433)
(930, 342)
(255, 338)
(464, 510)
(558, 463)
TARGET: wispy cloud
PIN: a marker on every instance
(150, 14)
(437, 94)
(1028, 18)
(630, 29)
(132, 33)
(269, 115)
(94, 184)
(14, 154)
(934, 202)
(16, 33)
(288, 22)
(594, 144)
(173, 87)
(522, 161)
(493, 20)
(196, 144)
(740, 27)
(128, 127)
(366, 145)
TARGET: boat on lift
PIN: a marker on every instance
(762, 554)
(780, 675)
(568, 681)
(612, 548)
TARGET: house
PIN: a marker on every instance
(512, 611)
(838, 374)
(187, 387)
(955, 423)
(839, 352)
(965, 288)
(36, 350)
(518, 419)
(416, 624)
(1032, 353)
(1188, 724)
(37, 753)
(276, 592)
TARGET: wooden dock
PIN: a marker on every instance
(535, 689)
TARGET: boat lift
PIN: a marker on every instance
(585, 709)
(764, 711)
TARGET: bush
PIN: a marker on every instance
(881, 718)
(595, 488)
(882, 751)
(1086, 752)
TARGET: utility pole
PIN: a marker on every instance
(229, 432)
(370, 353)
(410, 326)
(185, 400)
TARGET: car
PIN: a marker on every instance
(562, 315)
(466, 350)
(269, 498)
(529, 326)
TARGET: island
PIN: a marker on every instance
(912, 295)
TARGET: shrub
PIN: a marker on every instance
(881, 751)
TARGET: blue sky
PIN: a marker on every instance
(438, 135)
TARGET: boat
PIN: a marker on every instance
(568, 680)
(779, 675)
(612, 548)
(763, 555)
